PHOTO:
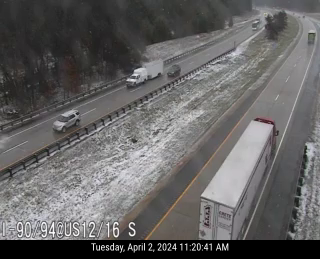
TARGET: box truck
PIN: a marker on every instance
(255, 25)
(226, 202)
(311, 36)
(154, 68)
(139, 76)
(148, 71)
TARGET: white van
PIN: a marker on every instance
(138, 77)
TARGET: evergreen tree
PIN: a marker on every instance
(230, 22)
(51, 44)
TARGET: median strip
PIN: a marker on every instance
(89, 129)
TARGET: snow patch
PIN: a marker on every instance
(308, 222)
(108, 174)
(168, 49)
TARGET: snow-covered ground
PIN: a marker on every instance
(171, 48)
(104, 177)
(308, 222)
(162, 50)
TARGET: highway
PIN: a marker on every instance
(272, 222)
(173, 212)
(38, 133)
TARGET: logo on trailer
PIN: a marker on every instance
(224, 215)
(207, 216)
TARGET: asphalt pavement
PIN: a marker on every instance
(173, 213)
(38, 133)
(272, 223)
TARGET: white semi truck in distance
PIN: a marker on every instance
(147, 72)
(226, 202)
(311, 36)
(256, 24)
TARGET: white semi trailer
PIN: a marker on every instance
(226, 202)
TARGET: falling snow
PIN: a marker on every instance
(105, 176)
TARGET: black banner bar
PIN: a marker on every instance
(83, 247)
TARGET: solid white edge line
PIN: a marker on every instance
(284, 133)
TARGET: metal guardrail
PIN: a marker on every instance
(298, 195)
(86, 94)
(34, 158)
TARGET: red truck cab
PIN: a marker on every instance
(275, 131)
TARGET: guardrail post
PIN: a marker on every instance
(59, 146)
(87, 131)
(110, 118)
(24, 165)
(48, 151)
(103, 123)
(117, 114)
(78, 135)
(129, 107)
(10, 172)
(124, 110)
(299, 191)
(291, 227)
(141, 100)
(147, 98)
(36, 157)
(95, 126)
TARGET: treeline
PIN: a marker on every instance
(301, 5)
(276, 24)
(47, 45)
